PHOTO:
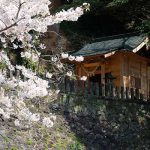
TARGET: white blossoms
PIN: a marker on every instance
(15, 46)
(35, 58)
(17, 122)
(28, 55)
(64, 55)
(72, 58)
(54, 59)
(79, 58)
(26, 20)
(3, 40)
(42, 46)
(47, 122)
(35, 117)
(16, 22)
(83, 78)
(6, 115)
(69, 73)
(49, 75)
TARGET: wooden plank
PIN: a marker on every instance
(88, 80)
(71, 85)
(103, 79)
(76, 86)
(109, 54)
(97, 89)
(91, 89)
(103, 90)
(91, 64)
(122, 92)
(132, 94)
(121, 71)
(79, 87)
(106, 90)
(137, 94)
(141, 45)
(141, 97)
(127, 93)
(86, 88)
(117, 92)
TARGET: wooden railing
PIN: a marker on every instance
(95, 89)
(107, 91)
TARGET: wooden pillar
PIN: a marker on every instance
(85, 88)
(103, 79)
(88, 80)
(121, 70)
(80, 75)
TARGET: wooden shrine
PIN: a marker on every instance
(121, 62)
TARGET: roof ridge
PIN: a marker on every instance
(115, 36)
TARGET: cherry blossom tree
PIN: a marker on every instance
(18, 18)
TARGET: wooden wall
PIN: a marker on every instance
(115, 65)
(135, 66)
(125, 66)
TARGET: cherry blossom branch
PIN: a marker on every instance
(12, 25)
(3, 22)
(19, 8)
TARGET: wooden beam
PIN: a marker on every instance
(121, 71)
(91, 64)
(103, 78)
(141, 45)
(103, 74)
(109, 54)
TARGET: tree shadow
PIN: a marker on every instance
(108, 125)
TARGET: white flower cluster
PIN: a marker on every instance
(33, 15)
(17, 18)
(31, 88)
(34, 57)
(49, 121)
(83, 78)
(72, 58)
(15, 105)
(34, 87)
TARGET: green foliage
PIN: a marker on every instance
(3, 65)
(60, 144)
(30, 64)
(47, 141)
(29, 142)
(146, 26)
(120, 1)
(14, 148)
(107, 17)
(77, 145)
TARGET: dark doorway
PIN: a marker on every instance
(95, 82)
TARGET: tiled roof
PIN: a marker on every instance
(110, 44)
